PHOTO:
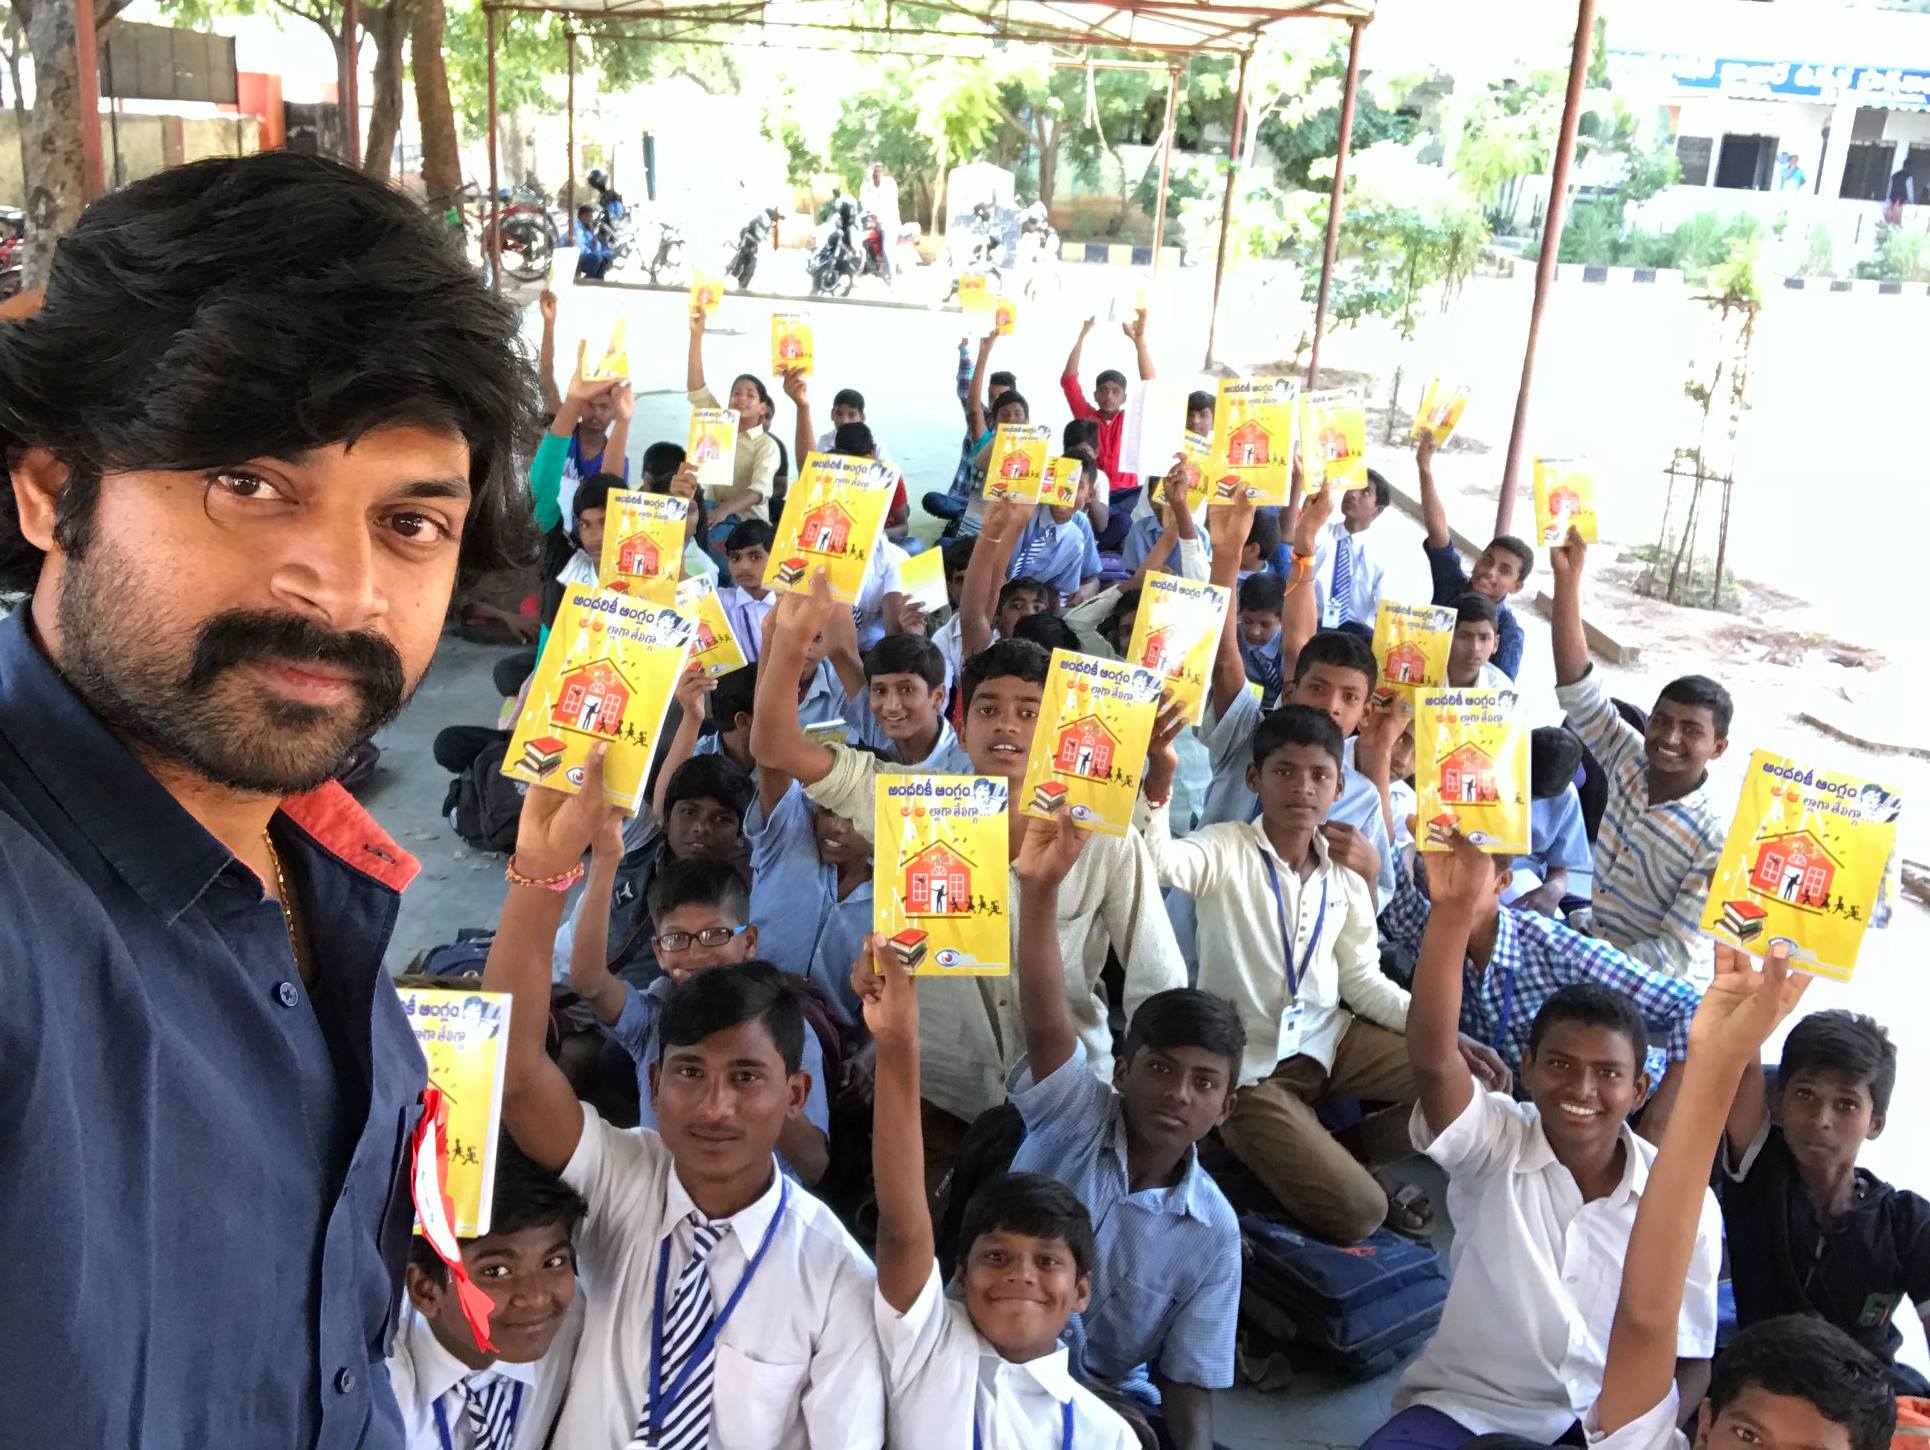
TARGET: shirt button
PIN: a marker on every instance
(287, 994)
(344, 1380)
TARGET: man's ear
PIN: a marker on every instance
(1704, 1419)
(1082, 1294)
(799, 1084)
(750, 939)
(656, 1071)
(424, 1292)
(1722, 747)
(38, 480)
(1253, 779)
(1877, 1120)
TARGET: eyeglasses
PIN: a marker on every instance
(710, 936)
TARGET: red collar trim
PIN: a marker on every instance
(348, 833)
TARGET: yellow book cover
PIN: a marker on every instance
(832, 519)
(706, 291)
(1471, 769)
(979, 304)
(1005, 316)
(1062, 478)
(1176, 634)
(1195, 453)
(940, 880)
(464, 1036)
(791, 343)
(643, 545)
(921, 579)
(1015, 465)
(714, 648)
(1411, 642)
(1333, 440)
(1564, 499)
(1089, 749)
(1440, 411)
(1253, 438)
(712, 449)
(1805, 856)
(615, 362)
(606, 675)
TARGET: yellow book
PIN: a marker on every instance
(606, 675)
(940, 883)
(563, 268)
(1005, 316)
(1440, 411)
(1411, 642)
(921, 579)
(832, 519)
(643, 545)
(714, 648)
(706, 291)
(712, 449)
(1015, 465)
(1089, 748)
(1063, 476)
(979, 304)
(1471, 769)
(1564, 499)
(1333, 440)
(615, 362)
(1803, 862)
(464, 1036)
(1194, 459)
(791, 343)
(1176, 634)
(1253, 423)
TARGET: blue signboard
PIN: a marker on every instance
(1793, 80)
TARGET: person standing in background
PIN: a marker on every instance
(879, 196)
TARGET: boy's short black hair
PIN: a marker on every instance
(1383, 490)
(1297, 725)
(1339, 650)
(855, 440)
(1593, 1005)
(1011, 397)
(1081, 432)
(1264, 590)
(905, 654)
(1701, 691)
(709, 777)
(1264, 532)
(594, 492)
(849, 398)
(1002, 379)
(1808, 1358)
(1201, 401)
(698, 883)
(1472, 608)
(1047, 630)
(1849, 1043)
(1188, 1017)
(659, 465)
(1023, 584)
(526, 1197)
(720, 998)
(1018, 659)
(734, 696)
(1030, 1204)
(958, 553)
(1109, 375)
(260, 306)
(749, 534)
(1524, 556)
(1554, 755)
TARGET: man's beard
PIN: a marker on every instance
(196, 711)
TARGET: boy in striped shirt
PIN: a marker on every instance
(1661, 836)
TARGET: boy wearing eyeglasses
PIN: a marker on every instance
(700, 911)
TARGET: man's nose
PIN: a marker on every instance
(331, 577)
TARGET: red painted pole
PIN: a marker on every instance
(87, 63)
(1347, 98)
(569, 113)
(1226, 210)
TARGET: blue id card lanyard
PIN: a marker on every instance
(1294, 974)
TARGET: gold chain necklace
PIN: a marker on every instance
(287, 901)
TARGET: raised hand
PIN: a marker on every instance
(1424, 448)
(1049, 850)
(795, 386)
(1744, 1004)
(1460, 876)
(583, 388)
(1351, 849)
(556, 827)
(546, 304)
(684, 484)
(1228, 523)
(887, 992)
(1167, 725)
(1568, 558)
(804, 616)
(1314, 513)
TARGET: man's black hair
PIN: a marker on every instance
(720, 998)
(1701, 691)
(1524, 556)
(526, 1197)
(1109, 375)
(1023, 584)
(1847, 1043)
(1593, 1005)
(733, 696)
(1339, 650)
(1080, 432)
(1554, 755)
(1188, 1017)
(1264, 590)
(1001, 379)
(1033, 1205)
(698, 883)
(1808, 1358)
(958, 553)
(905, 654)
(749, 534)
(1472, 608)
(1048, 631)
(260, 306)
(849, 398)
(1384, 491)
(1297, 725)
(1010, 398)
(709, 777)
(1125, 608)
(854, 439)
(1018, 659)
(1201, 401)
(594, 493)
(659, 465)
(1264, 531)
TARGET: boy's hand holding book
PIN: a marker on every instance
(1742, 1006)
(1567, 559)
(1162, 754)
(798, 619)
(889, 994)
(557, 828)
(1227, 523)
(1314, 514)
(1048, 852)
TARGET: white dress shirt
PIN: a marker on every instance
(943, 1379)
(1364, 590)
(796, 1363)
(1656, 1430)
(1534, 1276)
(422, 1371)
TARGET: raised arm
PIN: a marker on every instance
(694, 363)
(590, 974)
(1433, 512)
(905, 1247)
(1300, 619)
(1136, 333)
(1046, 854)
(1568, 560)
(1228, 524)
(1457, 880)
(777, 736)
(797, 389)
(546, 353)
(975, 392)
(1004, 521)
(1071, 369)
(617, 450)
(693, 691)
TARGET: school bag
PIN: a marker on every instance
(483, 804)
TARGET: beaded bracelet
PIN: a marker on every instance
(558, 884)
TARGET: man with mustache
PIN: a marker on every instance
(263, 416)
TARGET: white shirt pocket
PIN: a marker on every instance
(756, 1401)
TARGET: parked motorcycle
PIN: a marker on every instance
(666, 263)
(973, 248)
(750, 244)
(840, 256)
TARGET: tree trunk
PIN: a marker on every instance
(441, 161)
(56, 171)
(389, 28)
(1048, 140)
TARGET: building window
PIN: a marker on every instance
(1745, 163)
(1694, 153)
(1866, 170)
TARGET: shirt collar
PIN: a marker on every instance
(1188, 1196)
(748, 1223)
(1538, 1154)
(437, 1371)
(1323, 861)
(1051, 1370)
(1506, 955)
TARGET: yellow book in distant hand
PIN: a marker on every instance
(1089, 749)
(714, 648)
(791, 343)
(979, 304)
(1253, 439)
(712, 449)
(1803, 862)
(1062, 479)
(615, 362)
(940, 884)
(1333, 440)
(921, 579)
(1015, 465)
(605, 677)
(1471, 769)
(706, 291)
(1176, 634)
(832, 519)
(643, 545)
(1194, 458)
(464, 1037)
(1564, 499)
(1005, 316)
(1411, 642)
(1440, 411)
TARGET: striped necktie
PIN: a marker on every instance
(490, 1402)
(686, 1423)
(1343, 591)
(1036, 550)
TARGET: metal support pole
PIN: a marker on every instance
(351, 100)
(1335, 201)
(569, 120)
(1165, 169)
(87, 63)
(1571, 113)
(1226, 210)
(492, 249)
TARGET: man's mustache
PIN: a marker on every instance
(241, 637)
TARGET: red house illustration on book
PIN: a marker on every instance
(1406, 664)
(826, 529)
(1166, 648)
(938, 882)
(706, 639)
(708, 450)
(1467, 776)
(1249, 445)
(1333, 443)
(591, 698)
(1085, 748)
(790, 347)
(1794, 867)
(1014, 465)
(639, 555)
(1563, 503)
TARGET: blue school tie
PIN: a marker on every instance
(490, 1402)
(1036, 550)
(686, 1423)
(1343, 590)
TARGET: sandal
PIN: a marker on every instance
(1409, 1213)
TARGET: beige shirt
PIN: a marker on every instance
(756, 462)
(969, 1029)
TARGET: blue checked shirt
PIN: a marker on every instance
(1536, 956)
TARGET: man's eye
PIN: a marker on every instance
(420, 528)
(246, 485)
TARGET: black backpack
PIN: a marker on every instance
(483, 804)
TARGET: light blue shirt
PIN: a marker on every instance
(947, 757)
(1557, 836)
(824, 700)
(1063, 555)
(1139, 542)
(802, 924)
